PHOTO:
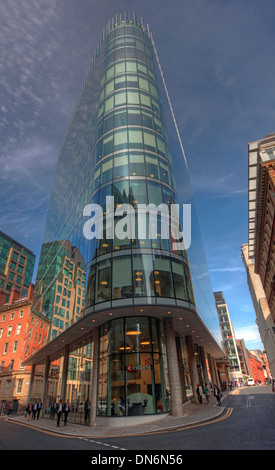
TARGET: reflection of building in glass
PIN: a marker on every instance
(151, 342)
(16, 266)
(61, 280)
(228, 336)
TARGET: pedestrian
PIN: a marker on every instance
(59, 411)
(207, 394)
(87, 407)
(39, 408)
(199, 393)
(34, 410)
(9, 410)
(29, 410)
(217, 394)
(66, 410)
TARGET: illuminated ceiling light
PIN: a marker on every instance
(138, 279)
(105, 245)
(133, 332)
(156, 272)
(117, 247)
(138, 273)
(110, 313)
(104, 283)
(122, 348)
(141, 309)
(143, 343)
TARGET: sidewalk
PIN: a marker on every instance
(192, 414)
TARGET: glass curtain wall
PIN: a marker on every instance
(78, 386)
(116, 145)
(133, 377)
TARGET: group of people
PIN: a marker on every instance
(206, 393)
(63, 408)
(33, 410)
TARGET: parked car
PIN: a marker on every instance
(250, 382)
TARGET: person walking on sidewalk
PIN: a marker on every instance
(34, 410)
(207, 394)
(39, 407)
(29, 411)
(199, 393)
(66, 410)
(59, 411)
(217, 394)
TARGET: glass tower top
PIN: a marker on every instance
(121, 143)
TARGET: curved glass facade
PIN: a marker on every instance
(116, 145)
(133, 377)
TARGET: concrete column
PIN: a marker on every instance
(203, 365)
(94, 378)
(173, 368)
(64, 374)
(45, 384)
(31, 384)
(215, 378)
(210, 364)
(192, 366)
(216, 372)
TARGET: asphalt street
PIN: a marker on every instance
(246, 424)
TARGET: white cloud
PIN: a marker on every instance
(250, 334)
(222, 270)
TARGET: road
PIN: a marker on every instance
(247, 424)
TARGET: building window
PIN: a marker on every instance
(6, 345)
(21, 313)
(9, 331)
(11, 364)
(22, 260)
(18, 329)
(19, 385)
(15, 344)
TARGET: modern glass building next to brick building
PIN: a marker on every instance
(145, 333)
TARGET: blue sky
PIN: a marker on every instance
(218, 61)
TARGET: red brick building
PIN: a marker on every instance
(257, 369)
(22, 333)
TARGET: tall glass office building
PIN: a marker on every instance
(143, 296)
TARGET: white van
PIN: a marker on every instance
(250, 382)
